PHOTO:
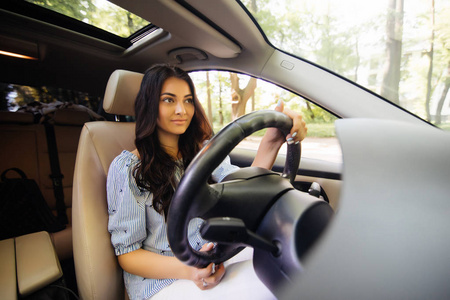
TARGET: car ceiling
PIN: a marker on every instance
(75, 61)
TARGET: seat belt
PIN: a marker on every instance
(56, 175)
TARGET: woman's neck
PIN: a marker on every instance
(169, 143)
(172, 151)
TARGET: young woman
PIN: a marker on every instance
(171, 128)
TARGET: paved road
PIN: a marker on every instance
(318, 148)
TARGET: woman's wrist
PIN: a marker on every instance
(271, 145)
(267, 153)
(185, 272)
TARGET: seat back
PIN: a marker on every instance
(24, 146)
(98, 273)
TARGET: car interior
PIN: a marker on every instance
(351, 206)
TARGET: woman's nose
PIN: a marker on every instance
(180, 109)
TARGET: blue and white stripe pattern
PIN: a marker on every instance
(134, 224)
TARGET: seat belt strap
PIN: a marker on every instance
(56, 175)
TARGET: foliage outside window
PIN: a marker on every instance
(399, 49)
(226, 96)
(99, 13)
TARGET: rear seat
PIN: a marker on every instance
(24, 146)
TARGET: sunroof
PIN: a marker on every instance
(99, 13)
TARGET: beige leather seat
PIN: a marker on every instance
(24, 146)
(98, 273)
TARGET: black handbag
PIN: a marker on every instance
(23, 209)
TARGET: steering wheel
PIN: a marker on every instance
(242, 199)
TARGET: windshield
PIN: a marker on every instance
(399, 49)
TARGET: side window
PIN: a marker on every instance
(226, 96)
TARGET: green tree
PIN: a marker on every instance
(335, 49)
(221, 79)
(240, 96)
(99, 13)
(443, 96)
(394, 34)
(443, 36)
(208, 96)
(431, 61)
(77, 9)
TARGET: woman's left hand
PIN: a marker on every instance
(298, 130)
(274, 138)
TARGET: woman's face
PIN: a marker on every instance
(176, 108)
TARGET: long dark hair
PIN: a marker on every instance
(156, 170)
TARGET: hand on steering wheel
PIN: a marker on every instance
(210, 276)
(297, 132)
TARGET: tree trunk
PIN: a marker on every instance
(308, 107)
(130, 20)
(208, 96)
(253, 102)
(220, 103)
(239, 97)
(391, 76)
(358, 60)
(253, 6)
(430, 67)
(443, 96)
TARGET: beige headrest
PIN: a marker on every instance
(121, 91)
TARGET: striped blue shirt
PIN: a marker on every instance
(134, 223)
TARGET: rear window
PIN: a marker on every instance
(14, 96)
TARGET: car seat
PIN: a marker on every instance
(25, 146)
(98, 273)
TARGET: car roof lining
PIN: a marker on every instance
(201, 34)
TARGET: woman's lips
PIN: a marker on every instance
(179, 122)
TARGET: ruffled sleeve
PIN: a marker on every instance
(126, 205)
(223, 170)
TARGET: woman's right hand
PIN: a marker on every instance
(208, 277)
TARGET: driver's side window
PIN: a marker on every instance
(226, 96)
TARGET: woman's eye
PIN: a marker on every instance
(168, 100)
(189, 100)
